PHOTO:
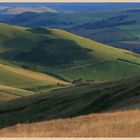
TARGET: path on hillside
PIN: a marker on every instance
(94, 64)
(85, 65)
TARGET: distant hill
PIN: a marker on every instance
(119, 28)
(2, 7)
(77, 7)
(19, 10)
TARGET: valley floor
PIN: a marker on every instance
(117, 124)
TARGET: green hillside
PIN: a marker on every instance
(65, 55)
(74, 101)
(106, 60)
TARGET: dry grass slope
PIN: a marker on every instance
(6, 96)
(118, 124)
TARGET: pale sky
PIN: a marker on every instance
(69, 0)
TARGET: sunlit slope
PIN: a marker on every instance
(17, 77)
(8, 93)
(66, 55)
(100, 51)
(6, 96)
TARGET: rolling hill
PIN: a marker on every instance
(74, 101)
(65, 55)
(16, 82)
(80, 75)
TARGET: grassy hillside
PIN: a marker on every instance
(65, 55)
(16, 82)
(106, 63)
(118, 124)
(73, 101)
(20, 78)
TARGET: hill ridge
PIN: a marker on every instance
(53, 50)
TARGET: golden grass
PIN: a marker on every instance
(10, 88)
(11, 91)
(118, 124)
(6, 97)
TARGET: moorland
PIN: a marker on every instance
(69, 72)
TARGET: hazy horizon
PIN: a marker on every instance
(80, 6)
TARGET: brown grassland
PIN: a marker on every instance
(117, 124)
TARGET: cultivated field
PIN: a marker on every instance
(118, 124)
